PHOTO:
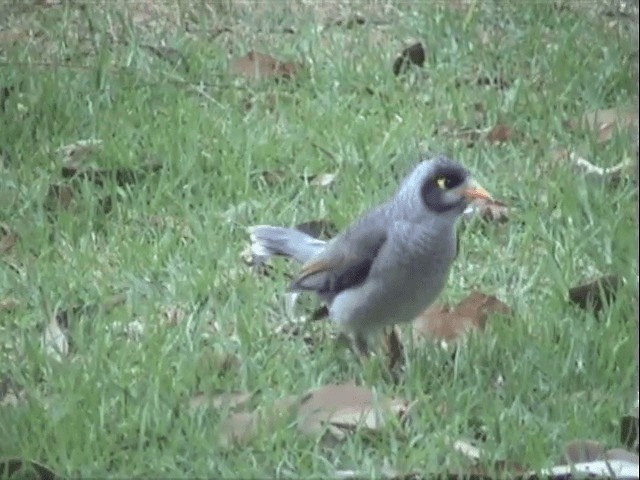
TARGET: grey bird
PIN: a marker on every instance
(390, 264)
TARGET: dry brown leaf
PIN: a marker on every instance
(579, 451)
(8, 304)
(499, 134)
(8, 239)
(339, 409)
(489, 210)
(446, 323)
(271, 177)
(229, 400)
(604, 123)
(412, 55)
(240, 428)
(590, 295)
(255, 65)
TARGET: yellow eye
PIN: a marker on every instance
(442, 183)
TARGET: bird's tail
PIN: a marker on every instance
(267, 241)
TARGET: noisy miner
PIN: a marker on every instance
(390, 264)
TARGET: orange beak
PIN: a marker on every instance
(474, 191)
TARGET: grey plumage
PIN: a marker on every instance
(391, 263)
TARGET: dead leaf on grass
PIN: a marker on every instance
(604, 123)
(412, 55)
(337, 410)
(445, 323)
(19, 468)
(255, 65)
(231, 401)
(270, 178)
(489, 210)
(595, 294)
(579, 451)
(8, 239)
(8, 304)
(240, 428)
(499, 134)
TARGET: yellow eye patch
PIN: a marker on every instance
(441, 182)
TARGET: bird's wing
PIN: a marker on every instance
(344, 264)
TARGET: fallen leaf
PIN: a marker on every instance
(594, 295)
(255, 65)
(54, 340)
(18, 468)
(271, 177)
(446, 323)
(604, 123)
(8, 304)
(240, 428)
(489, 210)
(580, 451)
(8, 239)
(499, 134)
(412, 55)
(229, 400)
(321, 229)
(340, 409)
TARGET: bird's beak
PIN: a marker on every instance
(474, 190)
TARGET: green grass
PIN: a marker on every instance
(117, 405)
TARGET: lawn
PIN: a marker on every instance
(125, 250)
